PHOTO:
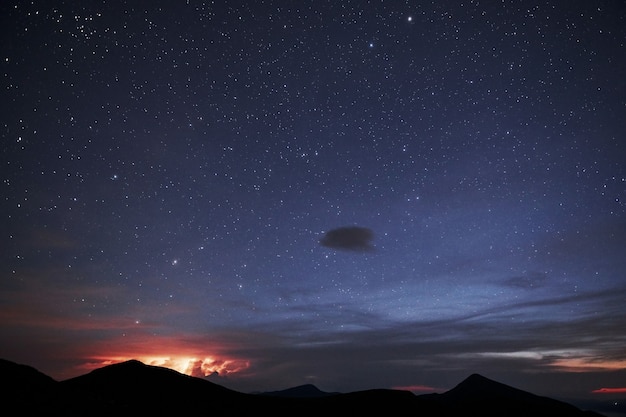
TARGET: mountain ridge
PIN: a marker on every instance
(300, 391)
(132, 387)
(472, 393)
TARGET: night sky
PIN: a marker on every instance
(354, 194)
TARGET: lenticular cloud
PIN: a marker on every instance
(353, 238)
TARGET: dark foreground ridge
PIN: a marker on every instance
(133, 388)
(301, 391)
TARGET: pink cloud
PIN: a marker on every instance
(619, 390)
(195, 356)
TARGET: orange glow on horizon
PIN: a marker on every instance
(587, 365)
(192, 366)
(610, 391)
(198, 357)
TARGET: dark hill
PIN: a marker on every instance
(132, 388)
(132, 375)
(301, 391)
(26, 389)
(23, 377)
(477, 395)
(381, 402)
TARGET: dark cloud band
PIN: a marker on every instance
(353, 238)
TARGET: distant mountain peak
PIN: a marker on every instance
(120, 389)
(477, 386)
(477, 390)
(132, 366)
(129, 363)
(133, 361)
(477, 377)
(480, 380)
(300, 391)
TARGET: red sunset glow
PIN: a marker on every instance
(621, 390)
(189, 365)
(195, 357)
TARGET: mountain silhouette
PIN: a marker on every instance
(480, 395)
(133, 388)
(23, 377)
(301, 391)
(144, 389)
(22, 381)
(133, 375)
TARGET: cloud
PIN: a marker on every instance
(352, 238)
(610, 391)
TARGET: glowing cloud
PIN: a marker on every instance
(199, 357)
(610, 391)
(192, 366)
(512, 355)
(198, 366)
(352, 238)
(587, 365)
(573, 360)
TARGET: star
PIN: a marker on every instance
(372, 183)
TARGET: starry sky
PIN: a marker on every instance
(355, 194)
